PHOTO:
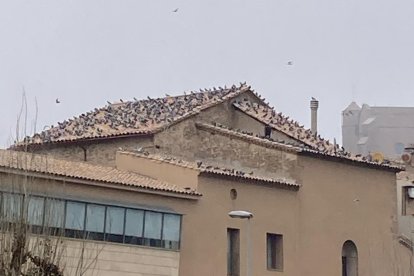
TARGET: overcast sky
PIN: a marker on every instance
(86, 52)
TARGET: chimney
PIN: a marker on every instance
(314, 104)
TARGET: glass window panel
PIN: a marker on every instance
(153, 222)
(12, 206)
(75, 215)
(55, 210)
(171, 227)
(35, 210)
(95, 216)
(115, 220)
(134, 222)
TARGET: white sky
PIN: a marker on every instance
(85, 52)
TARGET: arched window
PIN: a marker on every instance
(349, 259)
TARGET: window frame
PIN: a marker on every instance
(233, 252)
(113, 237)
(83, 234)
(36, 228)
(274, 252)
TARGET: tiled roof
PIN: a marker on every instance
(140, 117)
(287, 126)
(134, 117)
(268, 142)
(79, 170)
(216, 170)
(356, 159)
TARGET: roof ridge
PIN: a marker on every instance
(186, 93)
(357, 159)
(133, 118)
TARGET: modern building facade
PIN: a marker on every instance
(153, 183)
(377, 129)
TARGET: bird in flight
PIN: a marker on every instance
(290, 63)
(57, 101)
(176, 10)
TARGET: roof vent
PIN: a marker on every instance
(314, 104)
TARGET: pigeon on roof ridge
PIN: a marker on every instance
(133, 117)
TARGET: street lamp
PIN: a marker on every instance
(240, 214)
(245, 215)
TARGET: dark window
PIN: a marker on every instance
(35, 211)
(12, 207)
(75, 219)
(54, 216)
(233, 252)
(344, 270)
(274, 251)
(152, 229)
(171, 231)
(349, 259)
(134, 225)
(114, 225)
(268, 131)
(95, 221)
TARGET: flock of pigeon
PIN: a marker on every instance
(278, 121)
(150, 115)
(138, 116)
(268, 138)
(204, 167)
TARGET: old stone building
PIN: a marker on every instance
(185, 162)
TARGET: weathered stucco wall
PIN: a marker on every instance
(101, 152)
(341, 202)
(249, 124)
(179, 140)
(224, 113)
(246, 156)
(205, 248)
(180, 176)
(188, 142)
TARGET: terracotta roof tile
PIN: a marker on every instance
(215, 169)
(284, 124)
(79, 170)
(134, 117)
(268, 142)
(357, 159)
